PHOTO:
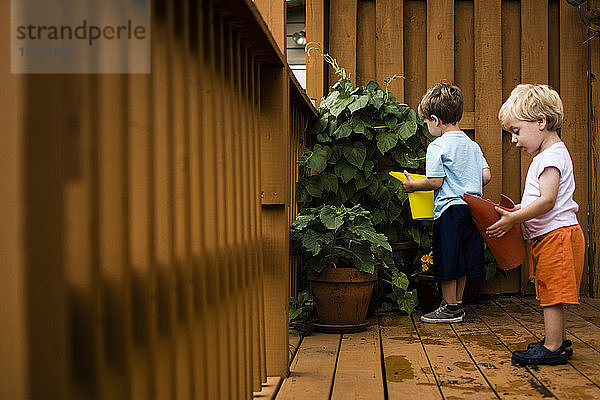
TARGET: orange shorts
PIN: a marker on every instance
(558, 258)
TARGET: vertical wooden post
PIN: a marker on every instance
(594, 164)
(389, 44)
(366, 63)
(342, 37)
(315, 65)
(573, 91)
(440, 41)
(275, 200)
(275, 16)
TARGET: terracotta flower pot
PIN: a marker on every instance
(428, 292)
(342, 297)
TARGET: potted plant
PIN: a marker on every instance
(342, 250)
(362, 134)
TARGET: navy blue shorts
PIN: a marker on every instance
(457, 245)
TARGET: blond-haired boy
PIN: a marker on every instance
(533, 115)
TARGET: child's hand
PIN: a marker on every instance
(503, 225)
(408, 184)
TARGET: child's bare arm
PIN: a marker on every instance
(487, 176)
(549, 180)
(410, 185)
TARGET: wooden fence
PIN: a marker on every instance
(144, 240)
(485, 47)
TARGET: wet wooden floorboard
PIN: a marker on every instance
(399, 357)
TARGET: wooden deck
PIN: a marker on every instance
(469, 360)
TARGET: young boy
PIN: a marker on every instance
(454, 165)
(533, 115)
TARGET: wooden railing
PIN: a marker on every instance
(145, 245)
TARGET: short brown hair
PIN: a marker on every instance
(443, 100)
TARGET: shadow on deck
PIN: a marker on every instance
(439, 361)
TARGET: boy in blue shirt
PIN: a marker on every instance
(454, 165)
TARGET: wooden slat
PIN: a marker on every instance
(593, 302)
(583, 334)
(274, 14)
(415, 51)
(180, 165)
(217, 376)
(440, 41)
(575, 134)
(534, 54)
(113, 214)
(488, 89)
(366, 65)
(311, 372)
(389, 44)
(562, 380)
(342, 37)
(14, 378)
(511, 76)
(196, 108)
(447, 356)
(274, 175)
(594, 165)
(359, 365)
(164, 378)
(464, 55)
(141, 237)
(489, 356)
(407, 369)
(315, 66)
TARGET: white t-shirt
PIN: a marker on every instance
(563, 212)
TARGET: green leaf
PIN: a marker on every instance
(318, 159)
(330, 182)
(406, 130)
(314, 186)
(377, 99)
(358, 126)
(330, 99)
(372, 86)
(311, 241)
(359, 103)
(400, 280)
(345, 171)
(320, 125)
(340, 104)
(355, 153)
(346, 192)
(302, 221)
(368, 167)
(332, 217)
(363, 259)
(408, 302)
(386, 141)
(294, 313)
(361, 182)
(344, 130)
(302, 195)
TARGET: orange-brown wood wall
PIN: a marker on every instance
(144, 239)
(486, 48)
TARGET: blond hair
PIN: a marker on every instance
(443, 100)
(532, 102)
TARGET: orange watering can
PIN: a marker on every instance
(509, 250)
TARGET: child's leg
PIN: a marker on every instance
(554, 325)
(460, 287)
(449, 291)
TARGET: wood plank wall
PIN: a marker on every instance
(485, 47)
(145, 218)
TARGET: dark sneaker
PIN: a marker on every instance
(442, 314)
(540, 355)
(565, 344)
(460, 310)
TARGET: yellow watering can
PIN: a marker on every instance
(421, 202)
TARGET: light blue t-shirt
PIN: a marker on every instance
(459, 160)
